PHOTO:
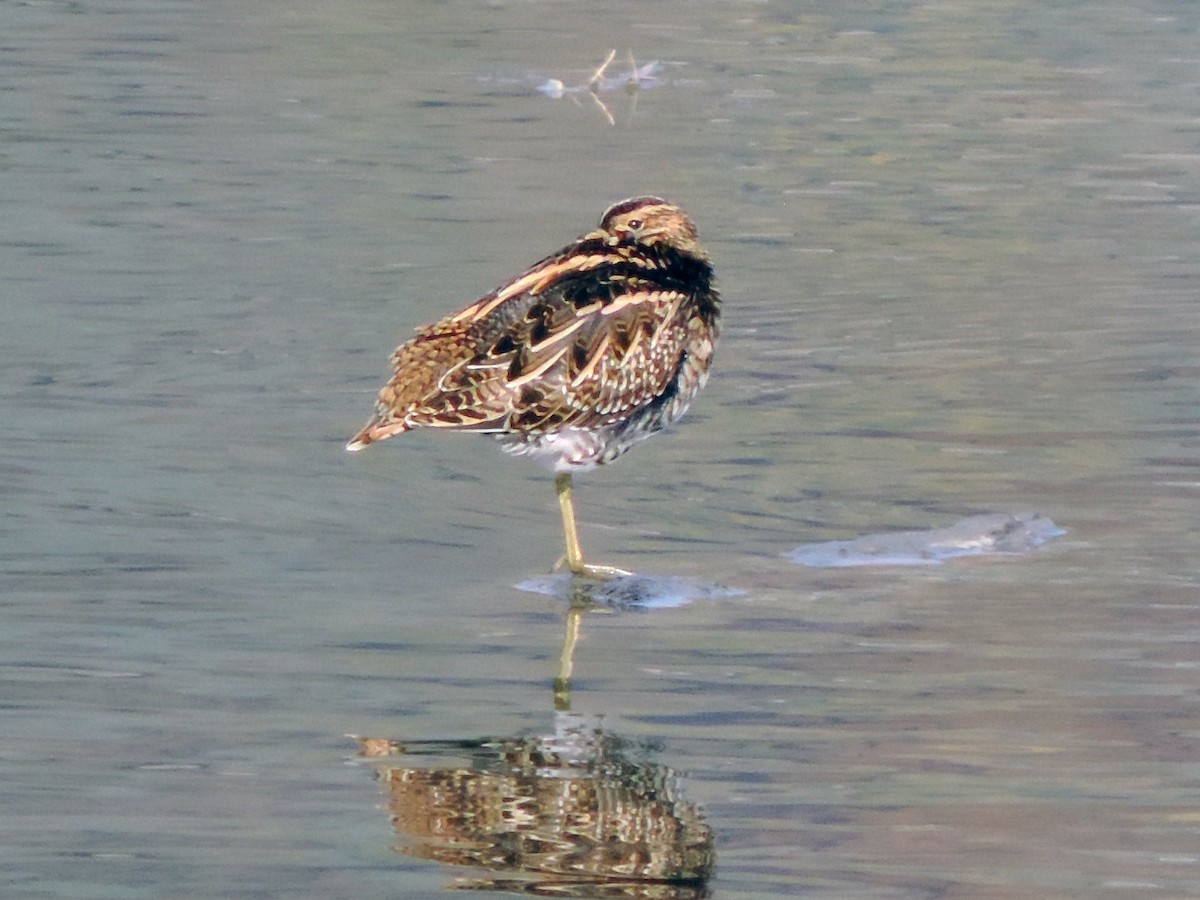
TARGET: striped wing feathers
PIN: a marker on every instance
(578, 363)
(583, 338)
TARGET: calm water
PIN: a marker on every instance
(958, 246)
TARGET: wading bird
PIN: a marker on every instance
(588, 352)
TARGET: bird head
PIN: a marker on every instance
(651, 222)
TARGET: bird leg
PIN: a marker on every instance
(562, 486)
(574, 558)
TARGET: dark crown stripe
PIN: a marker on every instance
(631, 204)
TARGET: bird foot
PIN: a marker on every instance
(593, 573)
(601, 573)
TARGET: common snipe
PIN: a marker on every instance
(574, 361)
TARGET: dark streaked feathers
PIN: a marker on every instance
(584, 354)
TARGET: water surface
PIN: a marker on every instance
(958, 248)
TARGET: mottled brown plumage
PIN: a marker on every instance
(574, 361)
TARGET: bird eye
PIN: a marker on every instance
(635, 224)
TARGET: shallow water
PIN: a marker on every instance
(958, 248)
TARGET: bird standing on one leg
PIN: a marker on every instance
(574, 361)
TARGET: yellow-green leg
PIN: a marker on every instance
(562, 485)
(574, 559)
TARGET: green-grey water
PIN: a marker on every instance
(958, 249)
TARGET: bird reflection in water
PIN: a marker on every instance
(580, 812)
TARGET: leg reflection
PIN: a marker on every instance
(566, 659)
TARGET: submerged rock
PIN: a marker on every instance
(999, 533)
(628, 591)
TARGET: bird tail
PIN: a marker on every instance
(375, 431)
